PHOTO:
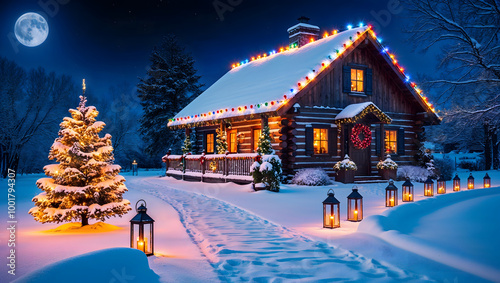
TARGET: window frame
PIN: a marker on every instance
(327, 134)
(212, 143)
(356, 68)
(230, 142)
(255, 142)
(390, 141)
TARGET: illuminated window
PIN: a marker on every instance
(391, 145)
(210, 143)
(256, 136)
(233, 143)
(320, 141)
(357, 81)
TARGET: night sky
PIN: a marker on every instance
(109, 42)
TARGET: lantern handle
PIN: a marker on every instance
(138, 203)
(329, 191)
(354, 187)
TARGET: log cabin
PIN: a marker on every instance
(322, 97)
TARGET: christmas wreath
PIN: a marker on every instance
(356, 131)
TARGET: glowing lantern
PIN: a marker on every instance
(354, 206)
(456, 183)
(142, 240)
(391, 195)
(407, 191)
(331, 211)
(441, 185)
(487, 181)
(429, 187)
(470, 182)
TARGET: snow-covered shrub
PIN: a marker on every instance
(311, 177)
(255, 172)
(472, 165)
(271, 171)
(414, 173)
(423, 156)
(346, 164)
(444, 167)
(388, 163)
(267, 170)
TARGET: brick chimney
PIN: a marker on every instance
(302, 33)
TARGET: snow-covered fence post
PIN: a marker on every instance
(202, 162)
(226, 171)
(167, 161)
(183, 160)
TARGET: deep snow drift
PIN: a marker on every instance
(228, 232)
(109, 265)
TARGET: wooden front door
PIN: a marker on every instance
(360, 156)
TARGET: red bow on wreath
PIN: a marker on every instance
(356, 131)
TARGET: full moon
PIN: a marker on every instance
(31, 29)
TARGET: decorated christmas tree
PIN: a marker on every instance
(264, 145)
(267, 169)
(221, 142)
(188, 146)
(84, 184)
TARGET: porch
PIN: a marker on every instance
(212, 168)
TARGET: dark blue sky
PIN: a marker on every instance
(109, 42)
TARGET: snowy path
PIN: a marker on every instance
(244, 247)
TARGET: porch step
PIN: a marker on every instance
(369, 179)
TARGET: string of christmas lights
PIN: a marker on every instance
(247, 109)
(369, 109)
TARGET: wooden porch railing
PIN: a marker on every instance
(223, 166)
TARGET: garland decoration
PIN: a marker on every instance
(356, 131)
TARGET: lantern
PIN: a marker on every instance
(142, 238)
(407, 191)
(441, 185)
(134, 168)
(487, 181)
(470, 182)
(391, 195)
(456, 183)
(429, 187)
(354, 206)
(331, 211)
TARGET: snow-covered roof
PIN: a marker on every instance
(356, 110)
(266, 84)
(303, 25)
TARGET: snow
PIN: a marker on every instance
(265, 166)
(76, 228)
(353, 110)
(109, 265)
(459, 235)
(177, 259)
(345, 164)
(208, 232)
(311, 177)
(254, 166)
(302, 25)
(388, 163)
(264, 80)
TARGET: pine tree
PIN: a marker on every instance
(221, 141)
(264, 145)
(85, 183)
(171, 83)
(188, 146)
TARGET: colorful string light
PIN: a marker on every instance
(307, 79)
